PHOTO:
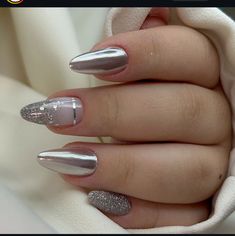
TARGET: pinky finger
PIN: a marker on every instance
(145, 214)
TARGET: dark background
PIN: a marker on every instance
(229, 11)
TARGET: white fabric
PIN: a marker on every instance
(36, 46)
(21, 218)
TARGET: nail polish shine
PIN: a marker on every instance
(61, 111)
(71, 161)
(105, 61)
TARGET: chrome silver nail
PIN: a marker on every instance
(105, 61)
(71, 161)
(61, 111)
(109, 202)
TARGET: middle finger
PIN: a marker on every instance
(139, 112)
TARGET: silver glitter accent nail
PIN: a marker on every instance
(62, 111)
(109, 202)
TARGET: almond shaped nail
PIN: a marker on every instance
(105, 61)
(61, 111)
(110, 202)
(71, 161)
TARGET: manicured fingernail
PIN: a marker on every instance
(71, 161)
(105, 61)
(109, 202)
(62, 111)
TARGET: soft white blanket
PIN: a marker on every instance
(36, 46)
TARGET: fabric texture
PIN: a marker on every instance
(36, 46)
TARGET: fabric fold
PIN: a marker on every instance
(45, 40)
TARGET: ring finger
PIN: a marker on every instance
(173, 173)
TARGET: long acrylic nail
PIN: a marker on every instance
(109, 202)
(105, 61)
(62, 111)
(71, 161)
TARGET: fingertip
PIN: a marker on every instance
(162, 13)
(152, 22)
(102, 61)
(145, 215)
(107, 64)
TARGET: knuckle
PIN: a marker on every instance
(209, 54)
(211, 172)
(222, 116)
(126, 169)
(204, 171)
(191, 105)
(110, 112)
(195, 105)
(154, 51)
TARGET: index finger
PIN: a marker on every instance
(168, 53)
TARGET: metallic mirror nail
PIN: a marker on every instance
(61, 111)
(71, 161)
(109, 202)
(105, 61)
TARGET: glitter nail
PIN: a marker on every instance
(61, 111)
(109, 202)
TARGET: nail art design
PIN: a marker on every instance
(109, 202)
(62, 111)
(71, 161)
(105, 61)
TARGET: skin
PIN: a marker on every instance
(175, 128)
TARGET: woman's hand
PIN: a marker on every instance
(169, 113)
